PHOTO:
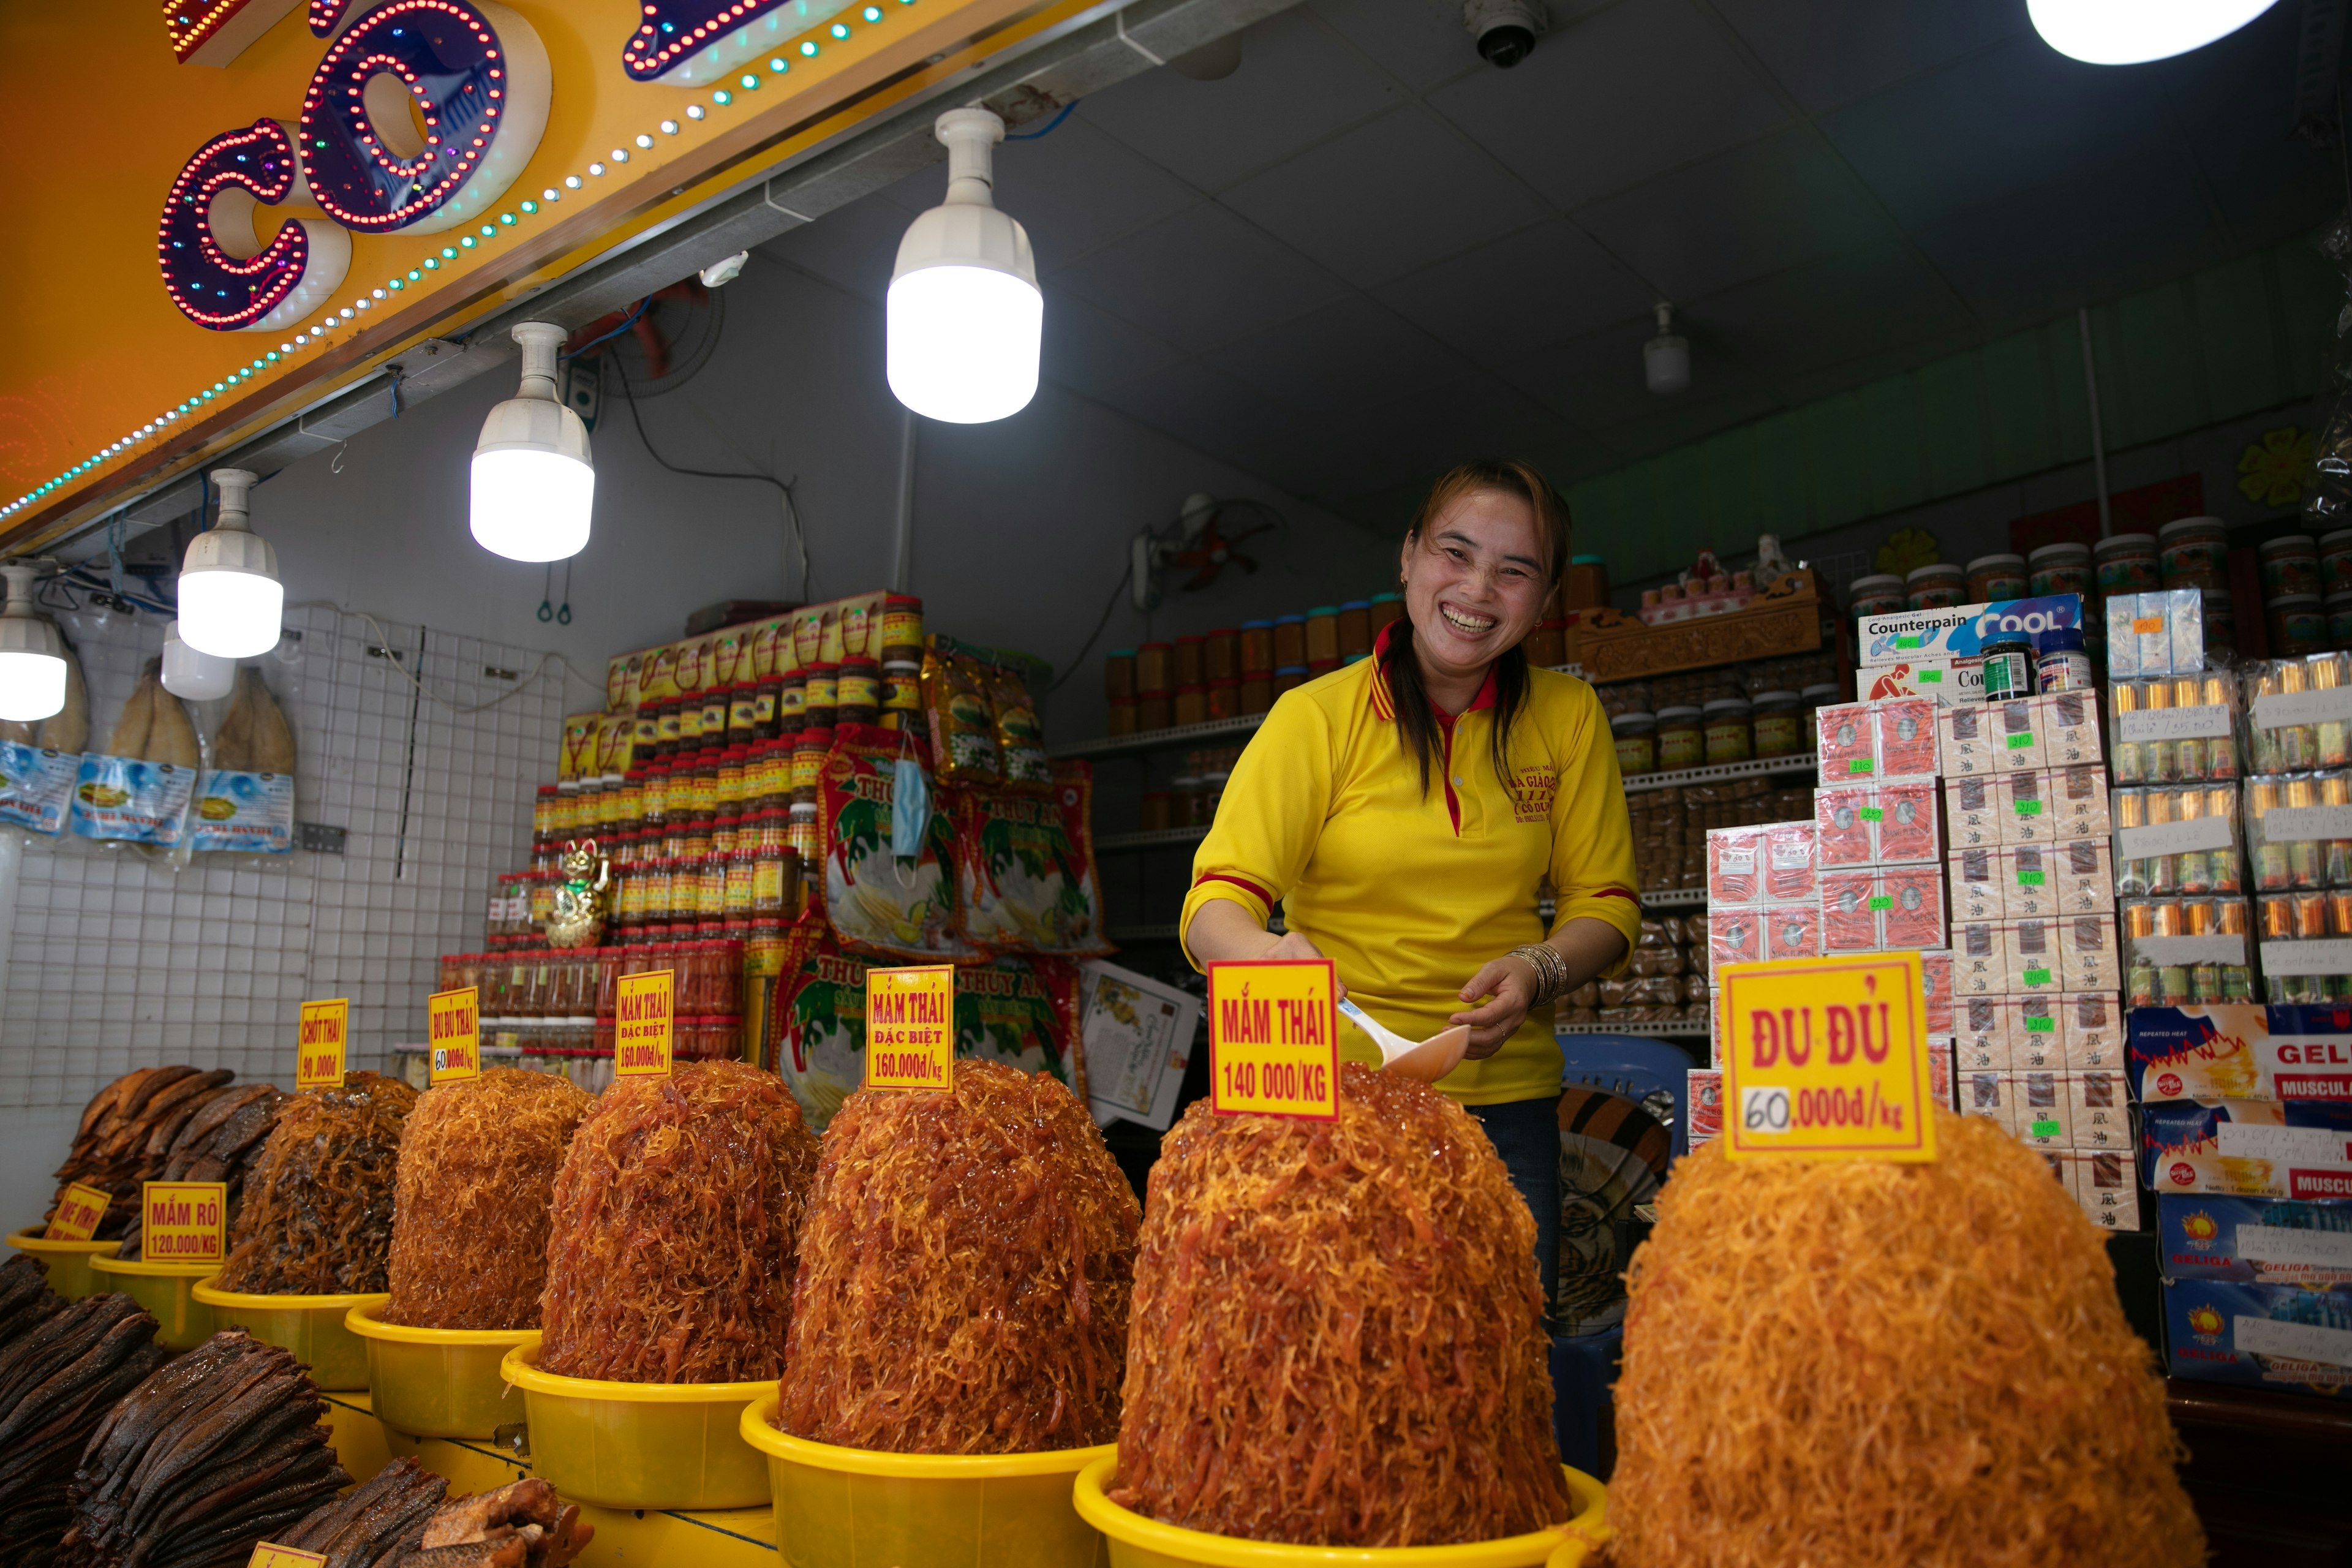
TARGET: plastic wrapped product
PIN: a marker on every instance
(2305, 954)
(1904, 733)
(1972, 812)
(1792, 930)
(2299, 714)
(2083, 872)
(1847, 740)
(1936, 980)
(1792, 861)
(1968, 741)
(2092, 1026)
(1904, 829)
(1734, 936)
(2017, 744)
(1976, 888)
(1734, 864)
(1841, 815)
(2028, 891)
(2036, 1043)
(1850, 911)
(2299, 831)
(2070, 728)
(1980, 960)
(1912, 915)
(1981, 1033)
(2186, 950)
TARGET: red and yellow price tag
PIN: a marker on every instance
(184, 1222)
(641, 1024)
(1274, 1037)
(910, 1027)
(265, 1555)
(1826, 1058)
(79, 1208)
(454, 1035)
(321, 1044)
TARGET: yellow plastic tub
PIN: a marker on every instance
(437, 1383)
(309, 1326)
(1140, 1542)
(166, 1291)
(67, 1262)
(640, 1444)
(854, 1508)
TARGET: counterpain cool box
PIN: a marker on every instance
(1917, 637)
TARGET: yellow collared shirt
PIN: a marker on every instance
(1410, 894)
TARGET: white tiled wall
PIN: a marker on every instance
(119, 958)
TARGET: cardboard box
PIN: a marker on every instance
(1979, 891)
(2107, 1188)
(2037, 1040)
(2088, 959)
(1980, 960)
(1987, 1094)
(2025, 815)
(1965, 742)
(2038, 1108)
(1943, 1080)
(1850, 911)
(2254, 1240)
(2098, 1110)
(2091, 1025)
(1949, 683)
(1972, 812)
(1841, 825)
(1702, 1105)
(2248, 1148)
(2070, 732)
(1982, 1033)
(1905, 732)
(1735, 866)
(1849, 746)
(1908, 635)
(1936, 980)
(2030, 957)
(2078, 801)
(1734, 936)
(2016, 727)
(2028, 889)
(2242, 1051)
(1911, 906)
(1904, 830)
(1791, 930)
(2084, 871)
(1792, 861)
(2259, 1336)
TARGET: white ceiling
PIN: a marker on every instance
(1367, 253)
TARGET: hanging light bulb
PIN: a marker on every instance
(230, 597)
(198, 677)
(32, 653)
(2131, 32)
(534, 480)
(964, 317)
(1666, 359)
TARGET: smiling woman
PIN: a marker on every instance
(1402, 810)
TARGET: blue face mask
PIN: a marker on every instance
(910, 809)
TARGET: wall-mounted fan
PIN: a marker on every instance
(1202, 542)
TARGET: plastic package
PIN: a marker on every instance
(1966, 737)
(1848, 745)
(2299, 714)
(1792, 861)
(1936, 980)
(2306, 953)
(1792, 930)
(1978, 891)
(1850, 904)
(1842, 822)
(2178, 730)
(2070, 728)
(1904, 729)
(2176, 838)
(2299, 831)
(2160, 633)
(1735, 865)
(1734, 936)
(1912, 914)
(2190, 950)
(2083, 870)
(1904, 831)
(1971, 813)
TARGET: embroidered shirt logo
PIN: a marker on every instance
(1533, 799)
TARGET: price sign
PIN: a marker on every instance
(1826, 1058)
(453, 1027)
(320, 1046)
(186, 1222)
(910, 1027)
(1273, 1038)
(265, 1555)
(641, 1024)
(79, 1209)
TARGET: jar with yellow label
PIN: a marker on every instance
(902, 629)
(1637, 735)
(644, 736)
(688, 713)
(742, 712)
(770, 857)
(1779, 730)
(1729, 731)
(791, 704)
(902, 697)
(1682, 738)
(857, 691)
(824, 695)
(742, 872)
(730, 798)
(808, 763)
(670, 727)
(542, 817)
(714, 716)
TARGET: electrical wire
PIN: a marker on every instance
(1092, 638)
(628, 322)
(383, 640)
(783, 488)
(1046, 128)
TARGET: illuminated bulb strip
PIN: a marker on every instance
(690, 41)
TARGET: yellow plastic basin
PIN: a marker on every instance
(167, 1291)
(639, 1445)
(437, 1383)
(66, 1262)
(854, 1508)
(1140, 1542)
(309, 1326)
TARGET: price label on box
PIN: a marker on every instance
(80, 1208)
(642, 1009)
(1826, 1058)
(454, 1025)
(320, 1044)
(1274, 1037)
(265, 1555)
(184, 1222)
(910, 1027)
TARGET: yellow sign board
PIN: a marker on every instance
(1826, 1058)
(1274, 1037)
(79, 1209)
(910, 1027)
(322, 1044)
(184, 1222)
(642, 1011)
(265, 1555)
(454, 1028)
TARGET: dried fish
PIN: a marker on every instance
(317, 1215)
(376, 1523)
(524, 1525)
(127, 1131)
(62, 1367)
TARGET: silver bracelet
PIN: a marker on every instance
(1551, 970)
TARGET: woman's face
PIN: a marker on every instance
(1473, 581)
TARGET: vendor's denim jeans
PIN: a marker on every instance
(1525, 1133)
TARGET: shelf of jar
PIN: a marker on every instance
(1682, 1029)
(1167, 932)
(1723, 772)
(1174, 738)
(1154, 838)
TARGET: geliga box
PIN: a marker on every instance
(1917, 637)
(2247, 1148)
(2242, 1051)
(2255, 1241)
(2259, 1336)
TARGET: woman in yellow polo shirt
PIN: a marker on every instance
(1402, 810)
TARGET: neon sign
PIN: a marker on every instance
(421, 115)
(689, 41)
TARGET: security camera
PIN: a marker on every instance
(1507, 30)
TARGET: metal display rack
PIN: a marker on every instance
(1157, 839)
(1173, 739)
(1723, 773)
(1684, 1029)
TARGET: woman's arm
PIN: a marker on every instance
(1223, 929)
(1509, 985)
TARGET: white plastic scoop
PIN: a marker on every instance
(1426, 1061)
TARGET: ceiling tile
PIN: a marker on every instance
(1753, 210)
(1412, 440)
(1400, 191)
(1200, 278)
(1613, 98)
(1077, 189)
(1089, 350)
(2271, 193)
(1340, 357)
(852, 247)
(1422, 42)
(1297, 85)
(1595, 381)
(1828, 52)
(1677, 423)
(1199, 405)
(2008, 119)
(1541, 285)
(2236, 94)
(1837, 307)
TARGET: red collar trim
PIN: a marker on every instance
(1384, 701)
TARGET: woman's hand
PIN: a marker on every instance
(1222, 929)
(1508, 985)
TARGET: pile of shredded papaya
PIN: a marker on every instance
(1853, 1363)
(316, 1218)
(469, 1223)
(677, 1216)
(1337, 1337)
(964, 1273)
